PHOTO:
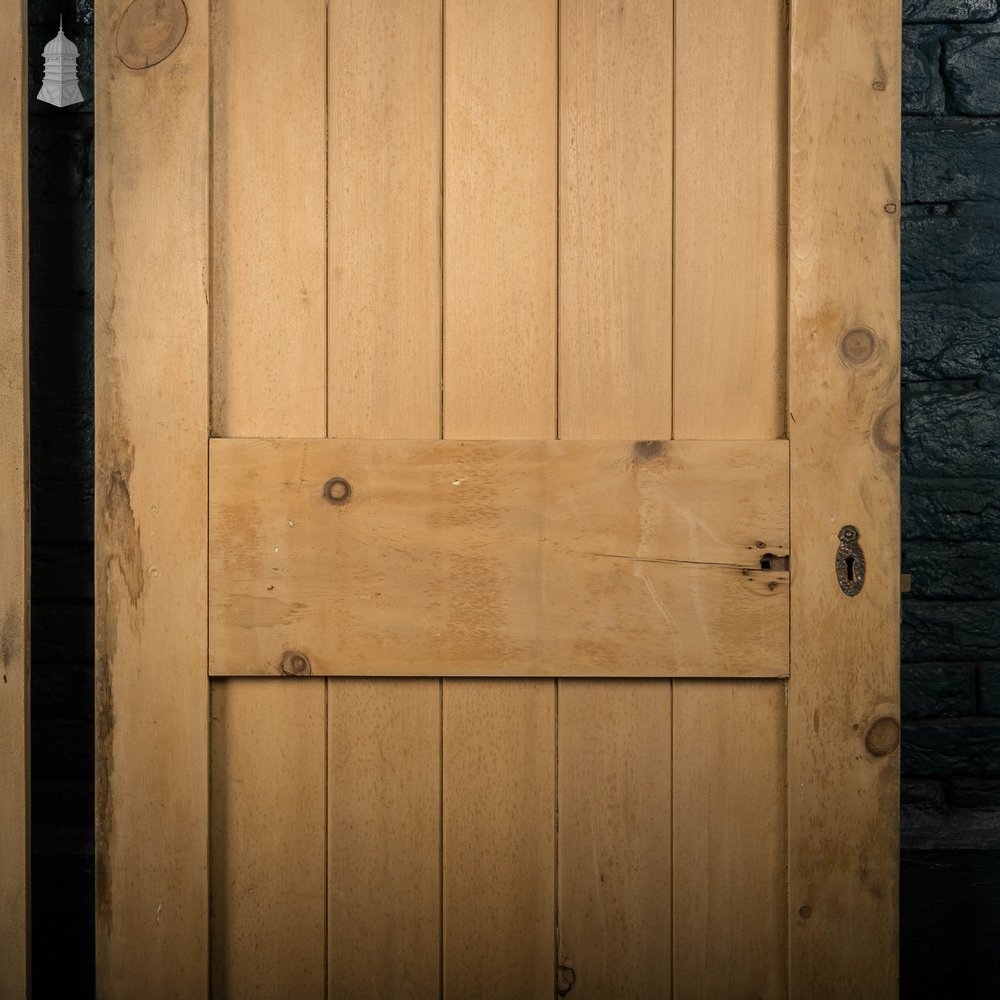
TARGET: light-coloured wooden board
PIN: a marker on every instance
(499, 838)
(729, 931)
(14, 532)
(615, 235)
(730, 220)
(385, 109)
(385, 841)
(151, 505)
(614, 838)
(269, 795)
(844, 436)
(498, 558)
(268, 275)
(500, 172)
(385, 219)
(268, 839)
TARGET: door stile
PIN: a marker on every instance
(844, 437)
(14, 508)
(151, 374)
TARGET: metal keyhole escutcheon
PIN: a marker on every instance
(850, 561)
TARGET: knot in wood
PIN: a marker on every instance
(149, 31)
(857, 346)
(337, 490)
(882, 737)
(295, 664)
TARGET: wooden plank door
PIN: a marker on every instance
(483, 391)
(14, 504)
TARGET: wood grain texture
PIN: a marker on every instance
(614, 838)
(151, 503)
(844, 431)
(615, 226)
(730, 220)
(385, 110)
(385, 838)
(14, 505)
(385, 219)
(499, 839)
(499, 558)
(268, 217)
(500, 83)
(730, 930)
(268, 837)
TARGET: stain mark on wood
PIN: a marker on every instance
(149, 31)
(10, 645)
(646, 451)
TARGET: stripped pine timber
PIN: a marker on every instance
(385, 219)
(615, 359)
(490, 557)
(499, 838)
(500, 82)
(614, 838)
(268, 216)
(268, 833)
(384, 743)
(729, 839)
(499, 379)
(844, 431)
(385, 838)
(730, 225)
(615, 203)
(14, 506)
(151, 504)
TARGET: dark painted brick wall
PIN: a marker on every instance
(951, 503)
(951, 423)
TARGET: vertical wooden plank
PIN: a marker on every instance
(499, 831)
(385, 381)
(615, 204)
(500, 133)
(268, 920)
(729, 839)
(14, 534)
(614, 838)
(269, 313)
(844, 439)
(615, 292)
(385, 839)
(385, 219)
(500, 84)
(730, 219)
(151, 374)
(268, 217)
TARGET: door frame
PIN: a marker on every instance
(152, 355)
(14, 510)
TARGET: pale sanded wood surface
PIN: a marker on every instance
(844, 431)
(268, 832)
(729, 931)
(615, 206)
(151, 384)
(615, 838)
(268, 766)
(384, 843)
(499, 558)
(385, 838)
(729, 238)
(500, 172)
(14, 506)
(499, 838)
(268, 273)
(385, 219)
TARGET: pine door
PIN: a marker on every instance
(497, 562)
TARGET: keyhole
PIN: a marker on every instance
(850, 569)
